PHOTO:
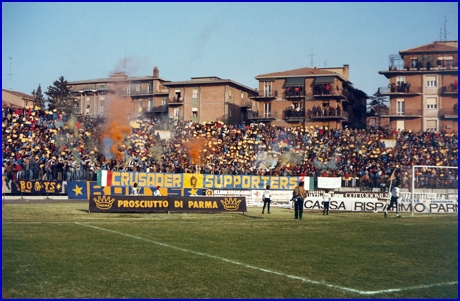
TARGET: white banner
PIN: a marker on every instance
(330, 183)
(348, 201)
(373, 205)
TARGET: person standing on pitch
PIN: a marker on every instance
(134, 189)
(298, 195)
(266, 197)
(326, 200)
(393, 200)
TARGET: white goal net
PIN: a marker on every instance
(430, 189)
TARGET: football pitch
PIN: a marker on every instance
(62, 251)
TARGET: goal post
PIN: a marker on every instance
(435, 178)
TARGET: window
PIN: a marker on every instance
(229, 111)
(128, 90)
(431, 103)
(230, 92)
(176, 112)
(101, 105)
(445, 61)
(164, 101)
(149, 105)
(194, 112)
(195, 93)
(267, 109)
(400, 79)
(149, 88)
(432, 125)
(267, 88)
(400, 107)
(101, 86)
(138, 87)
(431, 81)
(242, 95)
(139, 109)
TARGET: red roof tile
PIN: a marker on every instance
(433, 47)
(297, 72)
(19, 94)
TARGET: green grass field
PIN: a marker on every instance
(62, 251)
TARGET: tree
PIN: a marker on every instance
(59, 96)
(39, 100)
(378, 106)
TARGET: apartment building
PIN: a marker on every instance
(16, 99)
(199, 99)
(422, 88)
(142, 94)
(211, 98)
(310, 97)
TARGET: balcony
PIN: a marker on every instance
(449, 113)
(293, 115)
(321, 91)
(396, 90)
(404, 113)
(246, 104)
(266, 95)
(176, 101)
(341, 116)
(291, 94)
(160, 109)
(136, 93)
(162, 91)
(263, 117)
(450, 89)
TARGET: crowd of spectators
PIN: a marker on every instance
(41, 144)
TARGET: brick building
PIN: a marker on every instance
(143, 94)
(199, 99)
(310, 97)
(422, 88)
(210, 99)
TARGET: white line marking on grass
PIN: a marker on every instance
(271, 271)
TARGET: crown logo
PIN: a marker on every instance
(104, 202)
(231, 203)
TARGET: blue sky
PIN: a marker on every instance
(237, 41)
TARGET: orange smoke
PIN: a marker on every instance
(195, 146)
(116, 134)
(116, 125)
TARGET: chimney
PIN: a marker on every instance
(156, 72)
(314, 70)
(345, 71)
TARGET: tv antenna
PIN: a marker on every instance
(11, 70)
(11, 65)
(311, 57)
(443, 31)
(325, 63)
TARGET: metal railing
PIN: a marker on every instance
(453, 113)
(412, 112)
(399, 89)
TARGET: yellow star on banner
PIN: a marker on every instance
(77, 190)
(193, 191)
